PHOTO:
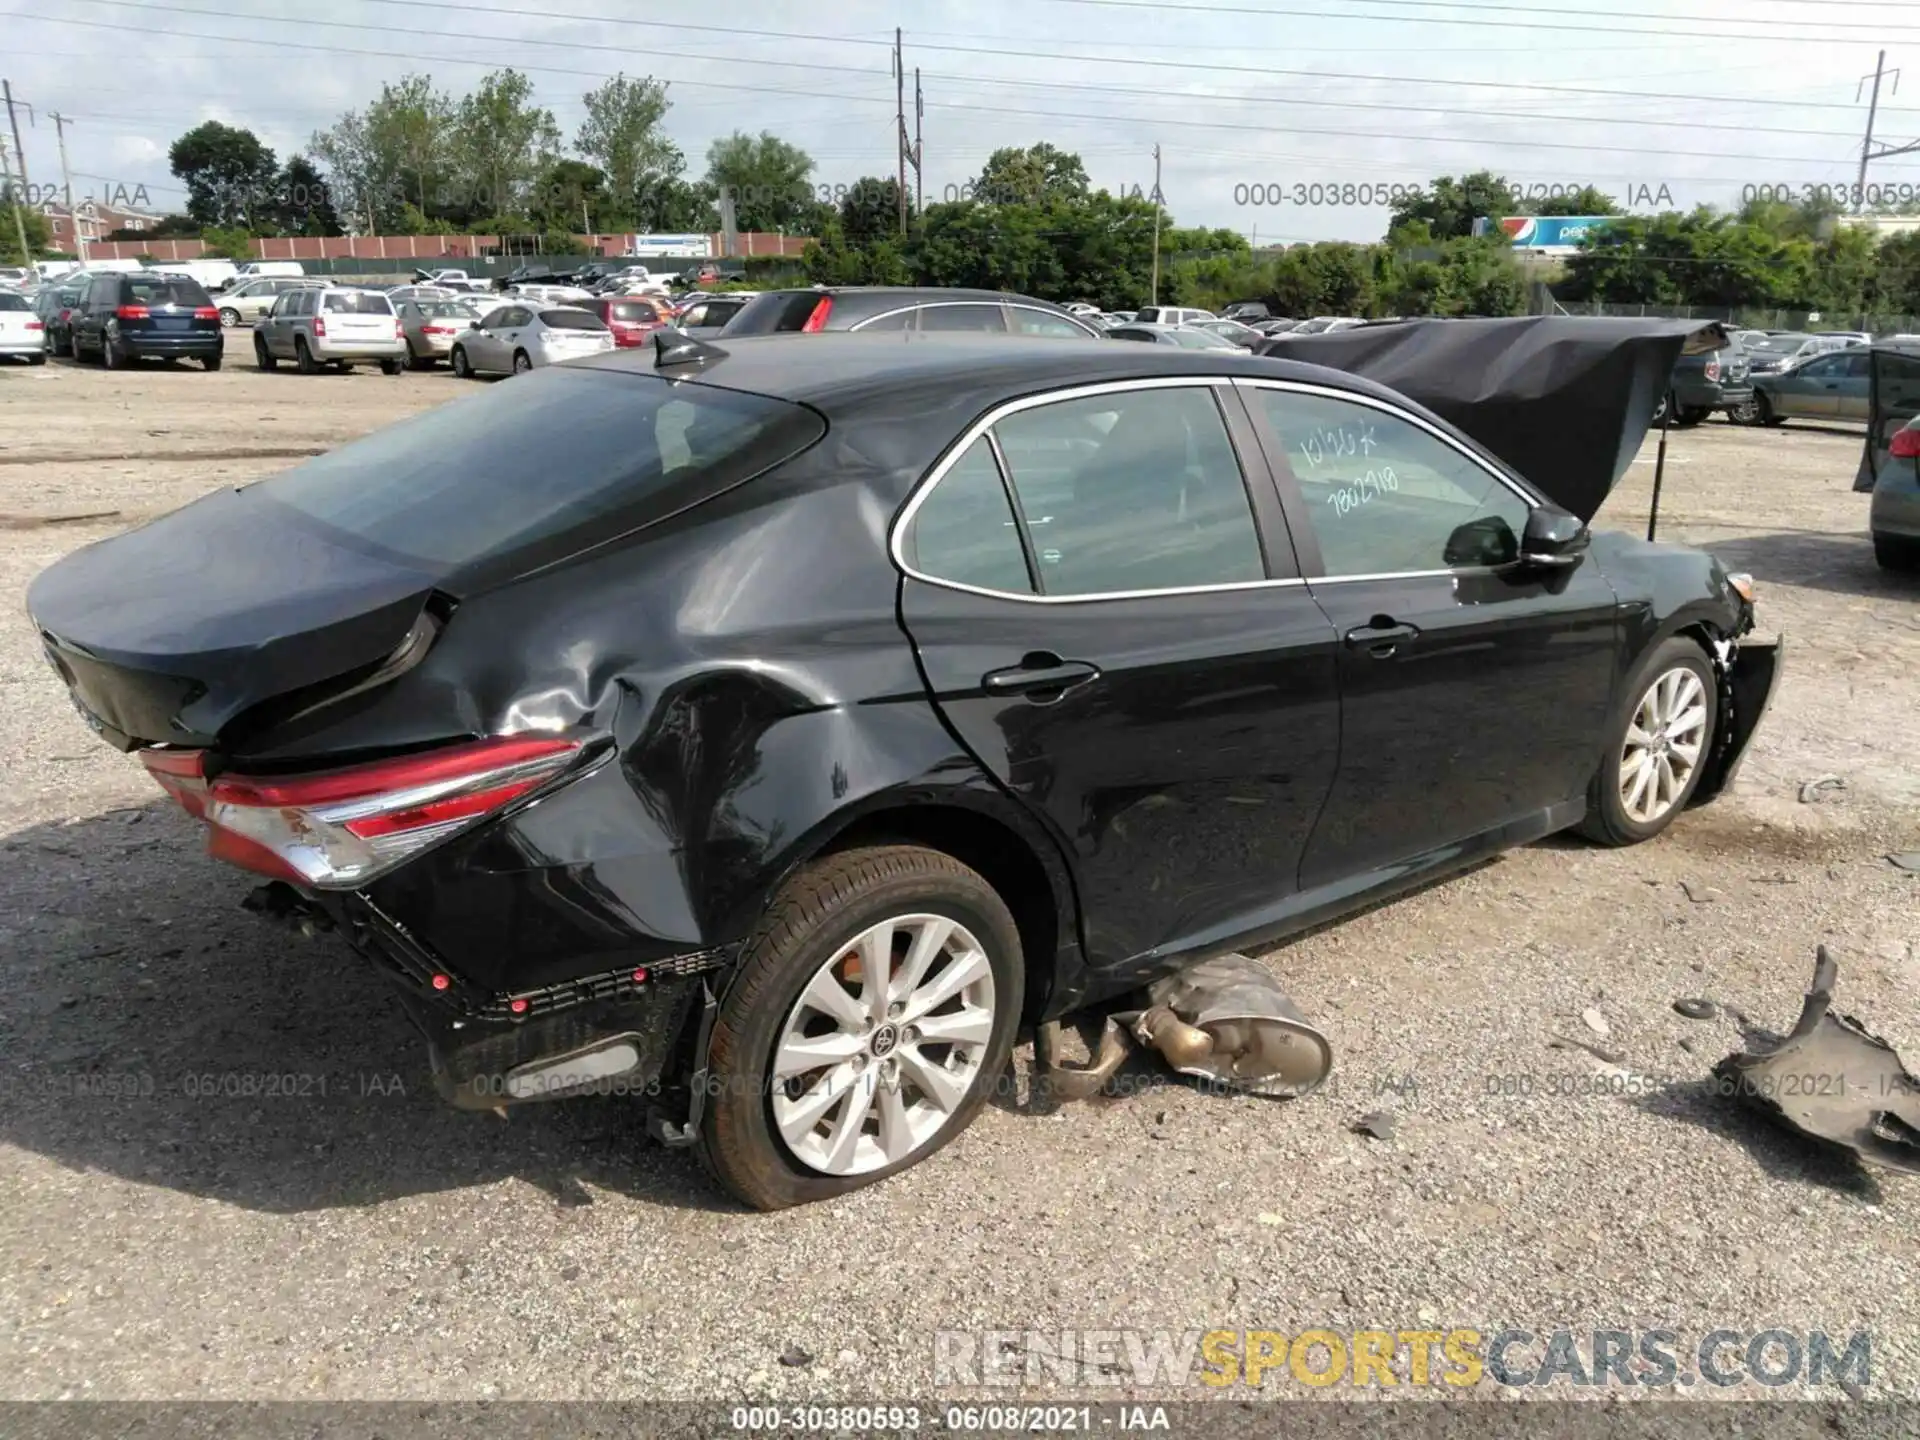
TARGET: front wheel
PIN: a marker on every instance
(522, 362)
(229, 317)
(262, 356)
(1768, 415)
(461, 369)
(1655, 747)
(870, 1019)
(1747, 412)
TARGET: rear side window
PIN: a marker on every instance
(156, 290)
(571, 320)
(1152, 315)
(1028, 321)
(775, 313)
(357, 302)
(964, 531)
(450, 487)
(964, 317)
(9, 301)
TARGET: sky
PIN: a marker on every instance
(1280, 119)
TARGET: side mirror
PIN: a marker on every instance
(1554, 539)
(473, 324)
(1488, 540)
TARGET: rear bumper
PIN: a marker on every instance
(194, 343)
(620, 1032)
(329, 350)
(35, 344)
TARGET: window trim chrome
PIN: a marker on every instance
(1087, 331)
(897, 537)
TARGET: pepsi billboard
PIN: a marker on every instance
(1549, 234)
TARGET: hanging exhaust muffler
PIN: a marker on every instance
(1225, 1020)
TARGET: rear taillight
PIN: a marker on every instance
(205, 312)
(340, 828)
(1906, 443)
(438, 330)
(1713, 368)
(35, 325)
(131, 312)
(817, 321)
(320, 326)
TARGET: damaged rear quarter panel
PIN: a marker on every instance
(756, 694)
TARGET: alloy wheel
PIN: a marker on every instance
(883, 1045)
(1663, 745)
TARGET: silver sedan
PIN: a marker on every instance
(430, 326)
(516, 337)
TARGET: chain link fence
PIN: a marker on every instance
(1753, 318)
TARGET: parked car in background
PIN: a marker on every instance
(1324, 324)
(1848, 337)
(316, 326)
(704, 317)
(253, 269)
(1245, 336)
(906, 308)
(1171, 315)
(1827, 387)
(1187, 337)
(120, 318)
(1710, 381)
(54, 303)
(514, 338)
(630, 318)
(430, 326)
(1271, 328)
(23, 334)
(244, 302)
(13, 276)
(401, 294)
(1769, 354)
(1119, 317)
(548, 294)
(1247, 311)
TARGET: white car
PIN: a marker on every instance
(550, 294)
(520, 336)
(1170, 315)
(23, 334)
(249, 300)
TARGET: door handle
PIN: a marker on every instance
(1039, 672)
(1381, 638)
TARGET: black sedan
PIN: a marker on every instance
(836, 706)
(890, 307)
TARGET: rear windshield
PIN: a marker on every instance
(770, 314)
(356, 302)
(447, 310)
(571, 320)
(633, 310)
(10, 301)
(562, 456)
(158, 290)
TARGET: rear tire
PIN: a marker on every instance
(1687, 416)
(212, 362)
(1675, 680)
(522, 362)
(303, 357)
(415, 360)
(389, 367)
(1896, 552)
(806, 936)
(39, 359)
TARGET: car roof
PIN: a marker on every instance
(835, 368)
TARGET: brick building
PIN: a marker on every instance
(96, 219)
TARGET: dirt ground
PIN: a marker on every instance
(356, 1238)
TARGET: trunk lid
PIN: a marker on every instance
(168, 633)
(1893, 400)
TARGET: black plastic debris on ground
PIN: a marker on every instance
(1833, 1080)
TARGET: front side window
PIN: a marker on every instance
(964, 531)
(1028, 321)
(1386, 497)
(1132, 490)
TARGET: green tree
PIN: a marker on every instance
(303, 201)
(1584, 201)
(570, 196)
(410, 136)
(502, 142)
(1026, 176)
(227, 242)
(227, 171)
(624, 134)
(1448, 207)
(669, 204)
(352, 170)
(39, 235)
(870, 211)
(769, 181)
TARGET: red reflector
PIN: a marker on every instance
(205, 312)
(518, 1007)
(640, 976)
(250, 854)
(181, 774)
(442, 982)
(384, 776)
(132, 312)
(817, 321)
(1906, 443)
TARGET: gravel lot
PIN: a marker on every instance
(368, 1242)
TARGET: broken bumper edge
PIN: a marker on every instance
(1747, 685)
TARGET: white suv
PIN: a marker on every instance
(1171, 315)
(330, 325)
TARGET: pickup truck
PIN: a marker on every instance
(1704, 383)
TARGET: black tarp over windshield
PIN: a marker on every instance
(1566, 400)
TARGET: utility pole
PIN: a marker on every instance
(1153, 297)
(60, 123)
(900, 127)
(1867, 150)
(6, 88)
(19, 219)
(919, 174)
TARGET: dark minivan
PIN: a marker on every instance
(122, 318)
